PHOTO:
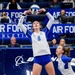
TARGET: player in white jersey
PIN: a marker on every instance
(41, 50)
(64, 61)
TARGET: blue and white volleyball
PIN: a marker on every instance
(34, 9)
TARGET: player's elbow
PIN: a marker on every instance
(50, 16)
(52, 19)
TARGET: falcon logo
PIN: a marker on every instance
(19, 60)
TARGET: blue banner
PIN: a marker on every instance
(56, 12)
(63, 28)
(13, 61)
(9, 30)
(15, 14)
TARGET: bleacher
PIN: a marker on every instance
(26, 5)
(41, 17)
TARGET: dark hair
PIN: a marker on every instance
(66, 50)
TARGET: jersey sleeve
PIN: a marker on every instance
(23, 27)
(73, 60)
(51, 20)
(46, 31)
(49, 24)
(66, 59)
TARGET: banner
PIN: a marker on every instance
(15, 14)
(56, 12)
(63, 28)
(14, 61)
(9, 30)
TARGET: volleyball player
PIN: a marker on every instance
(41, 50)
(64, 60)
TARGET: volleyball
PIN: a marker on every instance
(34, 9)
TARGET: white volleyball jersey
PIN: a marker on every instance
(64, 65)
(39, 43)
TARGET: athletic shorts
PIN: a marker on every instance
(42, 60)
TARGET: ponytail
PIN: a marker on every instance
(66, 51)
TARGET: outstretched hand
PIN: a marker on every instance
(27, 12)
(41, 10)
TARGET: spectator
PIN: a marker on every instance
(55, 4)
(69, 1)
(65, 19)
(62, 13)
(62, 42)
(13, 42)
(13, 5)
(53, 42)
(5, 18)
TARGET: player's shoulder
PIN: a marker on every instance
(42, 32)
(33, 34)
(65, 58)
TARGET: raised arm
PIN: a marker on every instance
(22, 26)
(51, 20)
(20, 23)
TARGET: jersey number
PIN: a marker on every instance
(39, 38)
